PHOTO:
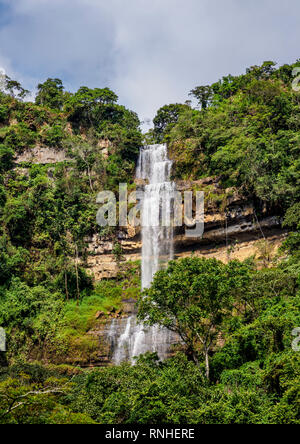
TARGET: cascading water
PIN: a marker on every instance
(157, 232)
(157, 249)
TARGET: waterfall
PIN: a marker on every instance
(157, 249)
(157, 232)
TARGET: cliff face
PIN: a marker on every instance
(232, 230)
(44, 155)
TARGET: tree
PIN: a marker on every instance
(268, 68)
(6, 158)
(263, 71)
(203, 94)
(85, 155)
(292, 221)
(87, 96)
(193, 297)
(166, 118)
(86, 105)
(14, 88)
(4, 113)
(51, 94)
(19, 398)
(26, 402)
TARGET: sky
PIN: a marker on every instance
(150, 52)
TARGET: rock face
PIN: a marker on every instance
(47, 155)
(42, 155)
(101, 260)
(232, 230)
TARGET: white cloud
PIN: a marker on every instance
(150, 52)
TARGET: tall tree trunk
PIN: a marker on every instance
(77, 277)
(196, 360)
(66, 284)
(206, 363)
(90, 179)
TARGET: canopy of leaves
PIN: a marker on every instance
(247, 133)
(166, 118)
(50, 94)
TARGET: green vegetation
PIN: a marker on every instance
(254, 372)
(235, 363)
(247, 133)
(48, 300)
(193, 298)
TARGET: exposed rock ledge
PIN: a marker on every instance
(231, 230)
(42, 155)
(48, 155)
(105, 265)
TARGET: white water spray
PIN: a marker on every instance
(157, 249)
(157, 232)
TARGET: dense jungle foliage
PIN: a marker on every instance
(48, 212)
(239, 358)
(246, 131)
